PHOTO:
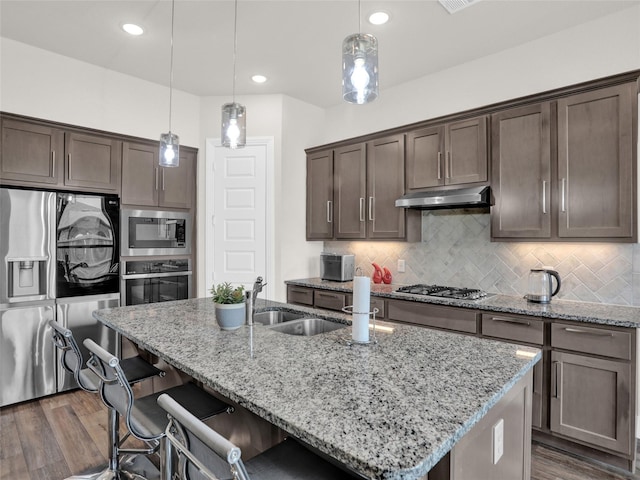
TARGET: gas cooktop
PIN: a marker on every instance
(441, 291)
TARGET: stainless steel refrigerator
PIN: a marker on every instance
(58, 260)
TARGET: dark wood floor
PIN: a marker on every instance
(55, 437)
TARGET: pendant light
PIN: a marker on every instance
(170, 142)
(360, 67)
(234, 120)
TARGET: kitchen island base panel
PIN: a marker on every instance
(473, 456)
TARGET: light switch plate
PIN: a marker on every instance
(498, 441)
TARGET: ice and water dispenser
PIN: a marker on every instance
(27, 279)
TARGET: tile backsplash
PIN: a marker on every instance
(456, 250)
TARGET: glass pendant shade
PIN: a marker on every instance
(360, 68)
(169, 150)
(234, 125)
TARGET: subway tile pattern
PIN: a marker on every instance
(456, 250)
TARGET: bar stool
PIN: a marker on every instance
(205, 454)
(120, 459)
(144, 418)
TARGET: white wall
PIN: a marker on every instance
(592, 50)
(38, 83)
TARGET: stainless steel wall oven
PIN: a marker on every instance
(155, 232)
(151, 281)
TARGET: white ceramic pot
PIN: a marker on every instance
(230, 316)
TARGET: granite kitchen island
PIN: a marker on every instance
(399, 409)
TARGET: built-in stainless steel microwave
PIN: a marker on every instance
(155, 232)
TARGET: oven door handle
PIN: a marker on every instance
(156, 275)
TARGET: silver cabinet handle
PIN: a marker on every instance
(447, 166)
(329, 295)
(53, 162)
(588, 332)
(371, 207)
(562, 195)
(361, 209)
(163, 179)
(156, 178)
(515, 321)
(439, 162)
(329, 212)
(544, 196)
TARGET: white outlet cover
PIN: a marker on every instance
(401, 266)
(498, 441)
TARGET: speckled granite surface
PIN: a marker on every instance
(601, 313)
(389, 411)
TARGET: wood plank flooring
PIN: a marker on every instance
(58, 436)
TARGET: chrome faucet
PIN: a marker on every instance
(250, 297)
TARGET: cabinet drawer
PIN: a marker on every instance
(449, 318)
(518, 329)
(300, 295)
(595, 341)
(329, 300)
(375, 303)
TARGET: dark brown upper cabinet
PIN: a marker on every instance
(92, 161)
(350, 191)
(596, 163)
(39, 154)
(521, 172)
(145, 183)
(320, 195)
(450, 154)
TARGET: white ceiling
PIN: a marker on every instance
(295, 43)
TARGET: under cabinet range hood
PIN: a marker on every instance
(474, 197)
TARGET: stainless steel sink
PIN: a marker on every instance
(273, 317)
(307, 326)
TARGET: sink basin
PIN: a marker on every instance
(307, 326)
(273, 317)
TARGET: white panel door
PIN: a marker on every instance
(239, 220)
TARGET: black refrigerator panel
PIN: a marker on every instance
(87, 250)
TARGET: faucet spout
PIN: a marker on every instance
(251, 296)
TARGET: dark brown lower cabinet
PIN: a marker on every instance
(449, 318)
(591, 400)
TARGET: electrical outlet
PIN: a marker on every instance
(498, 440)
(401, 266)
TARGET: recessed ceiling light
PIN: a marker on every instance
(259, 78)
(379, 18)
(133, 29)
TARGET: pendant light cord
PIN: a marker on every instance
(235, 47)
(359, 18)
(171, 65)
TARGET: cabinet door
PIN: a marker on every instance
(92, 161)
(521, 172)
(176, 185)
(385, 184)
(140, 174)
(425, 167)
(350, 191)
(596, 151)
(466, 151)
(31, 153)
(591, 400)
(320, 195)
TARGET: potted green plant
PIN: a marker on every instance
(229, 305)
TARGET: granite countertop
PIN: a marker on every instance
(600, 313)
(388, 411)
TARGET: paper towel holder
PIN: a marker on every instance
(372, 339)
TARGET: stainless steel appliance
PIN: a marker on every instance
(58, 260)
(336, 267)
(446, 292)
(155, 232)
(88, 259)
(27, 294)
(541, 285)
(155, 281)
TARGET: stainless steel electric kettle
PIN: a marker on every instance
(540, 285)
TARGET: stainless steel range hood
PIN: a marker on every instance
(474, 197)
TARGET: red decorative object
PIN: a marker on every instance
(377, 274)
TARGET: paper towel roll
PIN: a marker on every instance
(360, 327)
(361, 295)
